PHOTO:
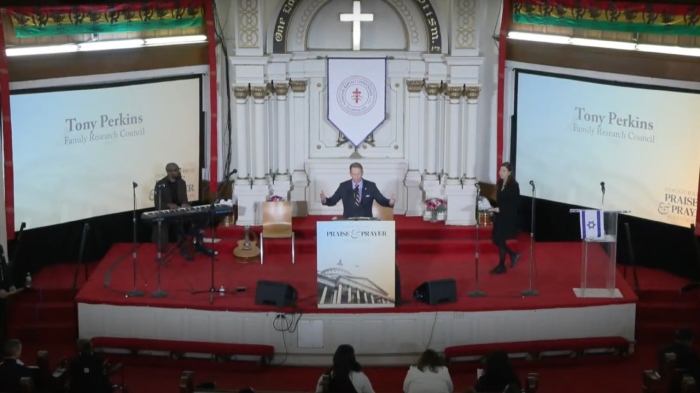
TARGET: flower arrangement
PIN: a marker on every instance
(436, 205)
(275, 198)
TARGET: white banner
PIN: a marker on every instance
(356, 264)
(356, 96)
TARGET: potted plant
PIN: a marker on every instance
(275, 198)
(437, 208)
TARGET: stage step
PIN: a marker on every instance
(413, 246)
(679, 313)
(53, 312)
(44, 331)
(404, 230)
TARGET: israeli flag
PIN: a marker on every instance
(592, 224)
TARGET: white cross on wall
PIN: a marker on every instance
(356, 18)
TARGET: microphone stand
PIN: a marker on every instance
(476, 292)
(135, 292)
(159, 293)
(530, 291)
(212, 207)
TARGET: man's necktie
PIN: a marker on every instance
(357, 195)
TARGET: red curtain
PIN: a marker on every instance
(697, 210)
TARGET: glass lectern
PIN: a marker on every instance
(599, 253)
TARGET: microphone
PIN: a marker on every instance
(602, 186)
(532, 183)
(231, 173)
(134, 184)
(477, 185)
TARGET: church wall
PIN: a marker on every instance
(644, 64)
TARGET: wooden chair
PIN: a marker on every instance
(382, 212)
(277, 224)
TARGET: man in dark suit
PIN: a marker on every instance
(88, 372)
(357, 195)
(11, 369)
(171, 193)
(686, 357)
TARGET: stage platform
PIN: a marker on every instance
(427, 252)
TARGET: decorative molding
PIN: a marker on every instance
(241, 92)
(465, 34)
(281, 89)
(454, 92)
(298, 86)
(411, 26)
(472, 93)
(306, 19)
(415, 86)
(248, 22)
(260, 92)
(432, 89)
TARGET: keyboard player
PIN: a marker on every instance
(172, 191)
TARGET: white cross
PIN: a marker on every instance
(356, 18)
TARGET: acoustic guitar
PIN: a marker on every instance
(247, 248)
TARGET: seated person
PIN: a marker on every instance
(7, 289)
(498, 374)
(87, 372)
(12, 370)
(171, 193)
(686, 357)
(346, 375)
(429, 376)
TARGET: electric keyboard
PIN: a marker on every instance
(187, 213)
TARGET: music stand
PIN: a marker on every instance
(213, 225)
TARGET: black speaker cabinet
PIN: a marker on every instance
(437, 292)
(272, 293)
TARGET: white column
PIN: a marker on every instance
(259, 169)
(472, 99)
(242, 143)
(431, 131)
(298, 146)
(281, 90)
(452, 134)
(323, 294)
(416, 148)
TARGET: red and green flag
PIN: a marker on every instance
(119, 18)
(624, 16)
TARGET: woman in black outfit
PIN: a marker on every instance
(498, 374)
(506, 216)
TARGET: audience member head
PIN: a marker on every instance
(498, 366)
(12, 349)
(684, 336)
(344, 360)
(506, 174)
(430, 360)
(84, 346)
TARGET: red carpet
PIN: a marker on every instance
(39, 328)
(426, 252)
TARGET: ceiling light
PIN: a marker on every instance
(603, 44)
(552, 39)
(670, 50)
(185, 39)
(107, 45)
(41, 50)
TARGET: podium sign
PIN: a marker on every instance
(598, 253)
(356, 264)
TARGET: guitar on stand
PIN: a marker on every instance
(247, 248)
